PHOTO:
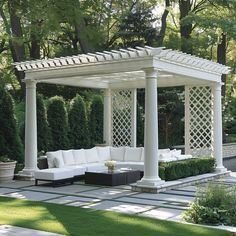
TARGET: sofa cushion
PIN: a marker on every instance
(91, 155)
(117, 153)
(104, 153)
(68, 157)
(79, 156)
(77, 170)
(165, 156)
(134, 165)
(95, 167)
(51, 156)
(175, 152)
(143, 154)
(132, 154)
(53, 174)
(59, 162)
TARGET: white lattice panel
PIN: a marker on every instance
(199, 133)
(121, 117)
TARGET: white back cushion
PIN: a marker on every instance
(175, 152)
(68, 157)
(59, 162)
(117, 153)
(79, 156)
(51, 156)
(104, 153)
(132, 154)
(165, 156)
(91, 155)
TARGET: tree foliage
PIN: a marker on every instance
(10, 143)
(58, 123)
(43, 131)
(78, 124)
(96, 120)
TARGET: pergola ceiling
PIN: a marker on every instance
(124, 69)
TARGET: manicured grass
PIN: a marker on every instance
(86, 222)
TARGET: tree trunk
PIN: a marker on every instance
(185, 29)
(16, 42)
(163, 23)
(35, 47)
(221, 58)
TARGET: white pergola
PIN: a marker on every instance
(119, 73)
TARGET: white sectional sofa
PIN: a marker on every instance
(79, 161)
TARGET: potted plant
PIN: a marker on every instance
(7, 167)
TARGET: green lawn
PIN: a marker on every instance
(78, 222)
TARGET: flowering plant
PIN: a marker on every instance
(110, 165)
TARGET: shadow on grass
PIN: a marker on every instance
(86, 222)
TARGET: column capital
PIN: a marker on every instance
(150, 72)
(30, 84)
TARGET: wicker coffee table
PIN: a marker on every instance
(117, 177)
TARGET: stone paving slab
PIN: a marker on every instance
(123, 207)
(70, 199)
(181, 193)
(7, 190)
(68, 189)
(8, 230)
(187, 188)
(106, 193)
(17, 184)
(163, 213)
(165, 197)
(32, 196)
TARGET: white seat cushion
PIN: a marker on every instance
(104, 153)
(53, 174)
(79, 156)
(132, 154)
(76, 170)
(91, 155)
(68, 157)
(95, 167)
(51, 156)
(134, 165)
(117, 153)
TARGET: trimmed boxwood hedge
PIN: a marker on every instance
(185, 168)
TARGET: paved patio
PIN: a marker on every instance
(168, 205)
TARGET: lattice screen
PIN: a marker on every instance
(200, 127)
(121, 117)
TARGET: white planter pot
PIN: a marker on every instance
(7, 171)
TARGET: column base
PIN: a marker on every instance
(146, 182)
(26, 174)
(220, 169)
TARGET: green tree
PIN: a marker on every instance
(78, 124)
(43, 131)
(58, 123)
(96, 120)
(10, 143)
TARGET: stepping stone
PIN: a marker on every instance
(33, 196)
(162, 213)
(70, 199)
(7, 190)
(17, 184)
(9, 230)
(128, 208)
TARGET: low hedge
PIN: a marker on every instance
(185, 168)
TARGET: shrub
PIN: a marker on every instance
(96, 120)
(10, 143)
(184, 168)
(43, 131)
(78, 124)
(215, 204)
(58, 123)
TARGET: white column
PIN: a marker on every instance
(186, 121)
(217, 127)
(134, 118)
(107, 117)
(150, 178)
(30, 130)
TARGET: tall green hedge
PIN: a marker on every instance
(43, 131)
(58, 123)
(78, 124)
(96, 120)
(10, 143)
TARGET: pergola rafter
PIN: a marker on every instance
(129, 69)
